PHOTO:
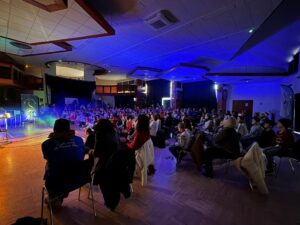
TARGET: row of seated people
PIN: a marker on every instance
(112, 159)
(227, 139)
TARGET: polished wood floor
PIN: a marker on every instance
(173, 196)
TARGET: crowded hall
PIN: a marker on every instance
(149, 112)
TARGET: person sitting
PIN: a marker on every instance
(112, 167)
(61, 149)
(263, 118)
(268, 136)
(254, 134)
(182, 143)
(90, 140)
(141, 136)
(153, 128)
(241, 127)
(217, 125)
(208, 124)
(169, 124)
(188, 126)
(284, 144)
(226, 146)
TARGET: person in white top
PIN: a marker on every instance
(241, 126)
(153, 126)
(182, 142)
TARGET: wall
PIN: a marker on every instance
(108, 100)
(294, 81)
(265, 96)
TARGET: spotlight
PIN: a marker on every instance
(216, 86)
(251, 30)
(26, 66)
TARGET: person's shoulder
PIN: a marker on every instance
(47, 142)
(78, 139)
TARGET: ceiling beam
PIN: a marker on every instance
(52, 7)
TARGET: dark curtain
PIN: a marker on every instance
(62, 88)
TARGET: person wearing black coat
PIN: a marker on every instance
(225, 146)
(111, 172)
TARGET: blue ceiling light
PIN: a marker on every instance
(251, 30)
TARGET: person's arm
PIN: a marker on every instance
(137, 141)
(81, 148)
(44, 150)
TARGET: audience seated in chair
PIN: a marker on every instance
(182, 141)
(254, 134)
(90, 140)
(154, 125)
(112, 168)
(268, 136)
(241, 126)
(283, 146)
(208, 123)
(62, 150)
(142, 135)
(226, 146)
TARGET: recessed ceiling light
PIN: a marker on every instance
(251, 30)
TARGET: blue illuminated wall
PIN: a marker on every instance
(265, 95)
(199, 94)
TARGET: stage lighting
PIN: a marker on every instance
(7, 115)
(216, 87)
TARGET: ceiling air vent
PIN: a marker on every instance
(161, 19)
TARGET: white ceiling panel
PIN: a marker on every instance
(214, 29)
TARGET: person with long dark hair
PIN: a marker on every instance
(141, 136)
(111, 171)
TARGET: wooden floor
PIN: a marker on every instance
(173, 196)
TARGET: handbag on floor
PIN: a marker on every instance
(30, 221)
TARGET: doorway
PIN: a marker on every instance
(243, 105)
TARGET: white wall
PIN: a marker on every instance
(265, 96)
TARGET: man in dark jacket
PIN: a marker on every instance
(283, 145)
(226, 146)
(62, 149)
(268, 136)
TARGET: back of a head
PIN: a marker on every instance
(256, 119)
(181, 126)
(187, 124)
(229, 122)
(285, 122)
(89, 131)
(104, 126)
(142, 123)
(61, 125)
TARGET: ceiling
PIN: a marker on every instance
(208, 33)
